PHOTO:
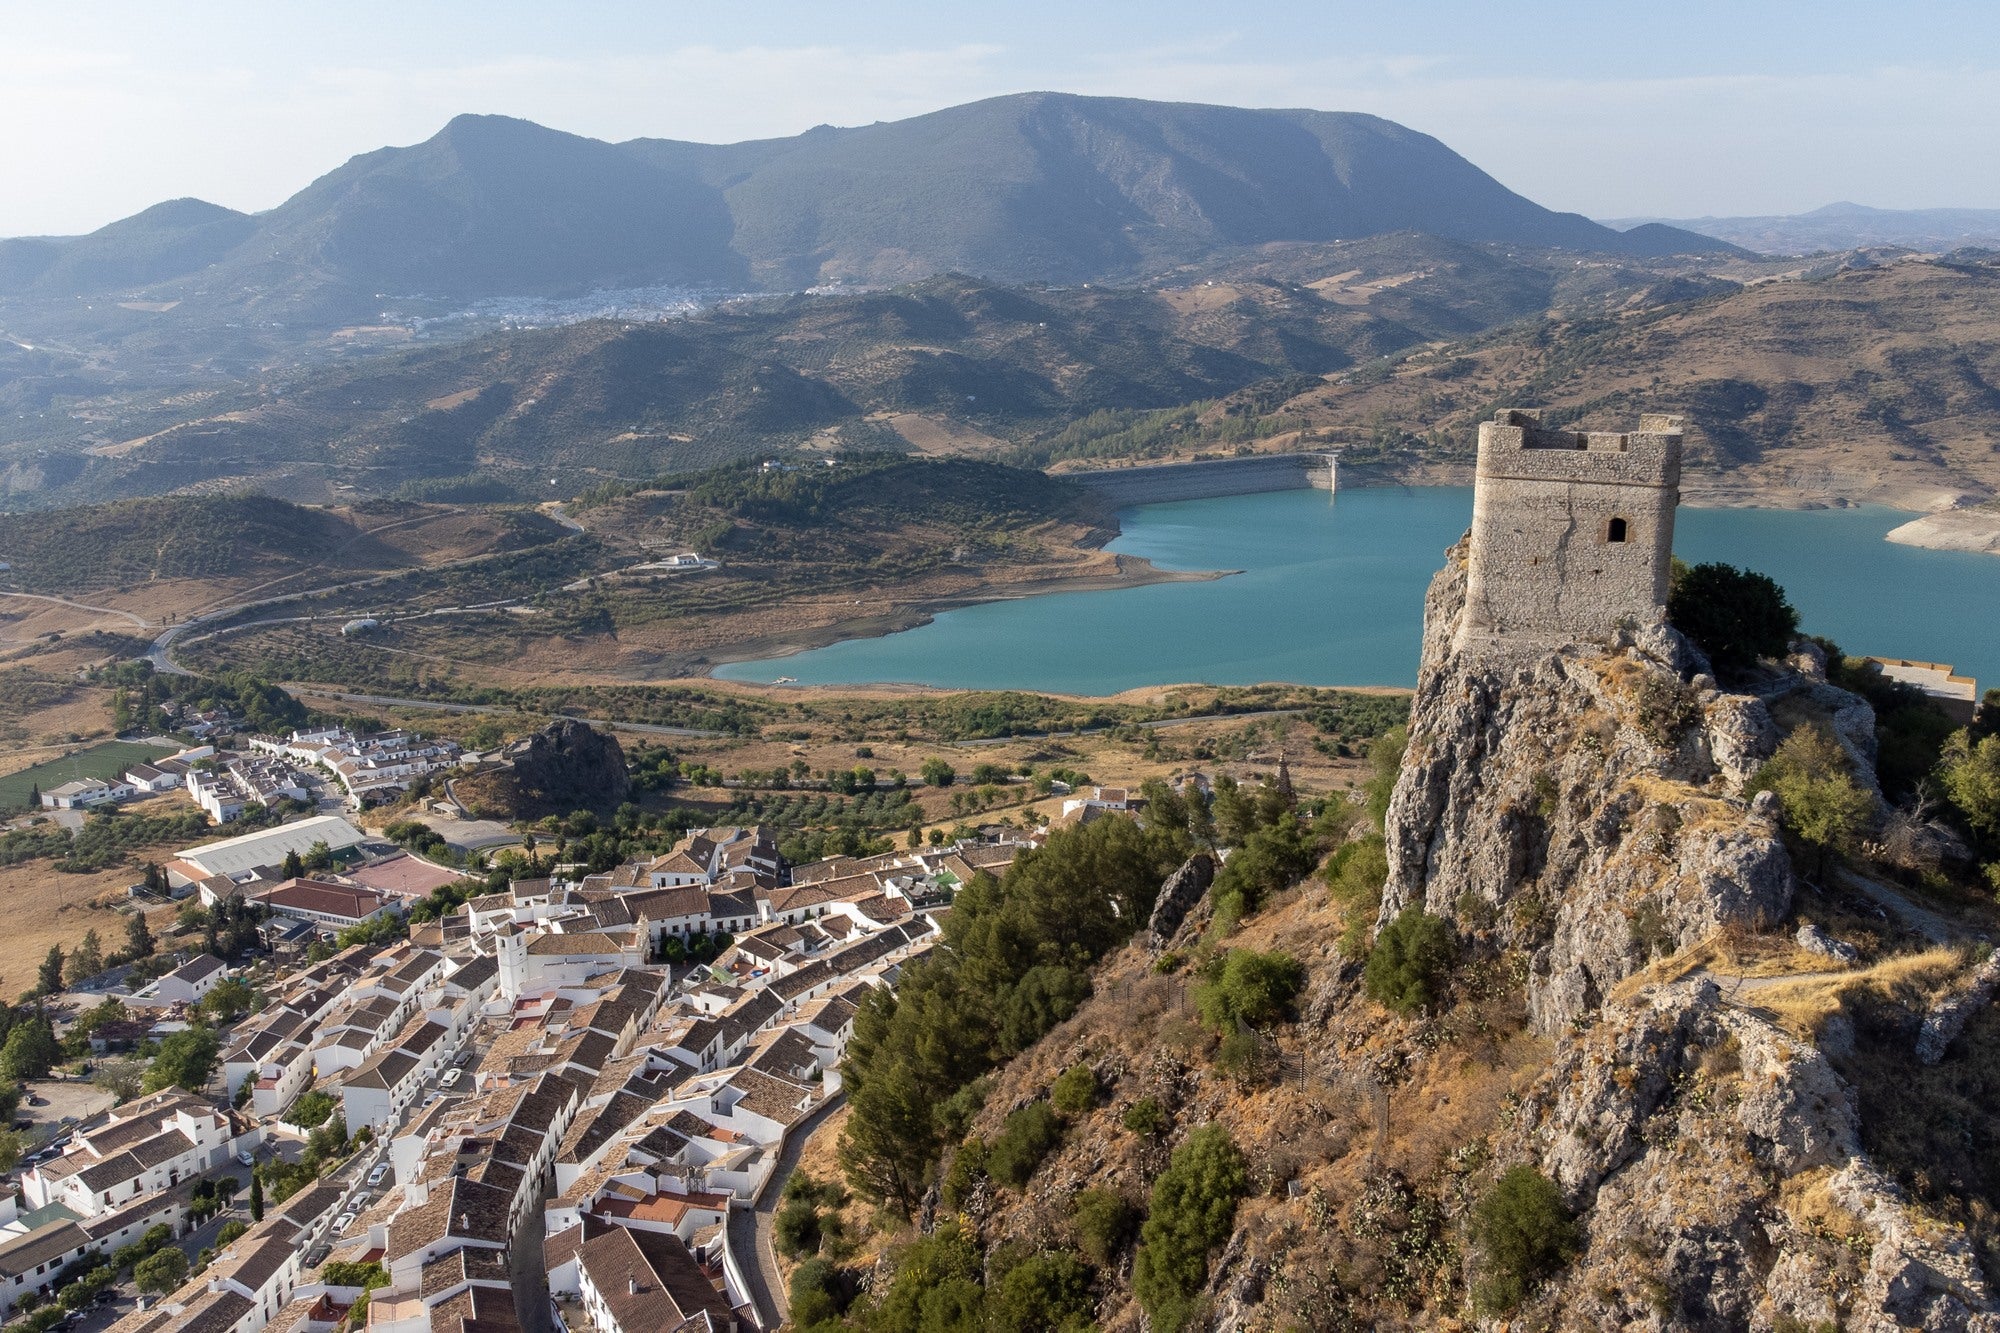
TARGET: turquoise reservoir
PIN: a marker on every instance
(1332, 593)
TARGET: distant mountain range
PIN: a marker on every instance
(1039, 187)
(1843, 227)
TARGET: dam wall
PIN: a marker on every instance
(1159, 482)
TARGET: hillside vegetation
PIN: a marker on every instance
(235, 538)
(1877, 380)
(951, 364)
(869, 543)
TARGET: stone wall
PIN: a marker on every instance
(1160, 482)
(1572, 534)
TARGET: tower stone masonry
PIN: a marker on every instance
(1572, 532)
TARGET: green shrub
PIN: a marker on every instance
(1045, 1293)
(1385, 758)
(310, 1110)
(1735, 615)
(1104, 1224)
(160, 1272)
(1146, 1117)
(935, 1276)
(1971, 777)
(1193, 1210)
(1410, 960)
(1075, 1090)
(1031, 1133)
(819, 1296)
(1271, 860)
(968, 1168)
(1524, 1233)
(796, 1230)
(1252, 988)
(1819, 802)
(1241, 1056)
(353, 1273)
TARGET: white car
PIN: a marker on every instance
(246, 1159)
(342, 1223)
(375, 1176)
(451, 1078)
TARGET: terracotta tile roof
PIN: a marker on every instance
(650, 1281)
(311, 895)
(462, 1209)
(471, 1264)
(476, 1310)
(590, 943)
(777, 1099)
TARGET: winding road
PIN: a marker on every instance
(750, 1229)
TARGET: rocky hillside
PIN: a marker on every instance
(1611, 1061)
(1880, 381)
(1580, 813)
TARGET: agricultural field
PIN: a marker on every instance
(106, 760)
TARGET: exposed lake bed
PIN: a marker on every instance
(1331, 593)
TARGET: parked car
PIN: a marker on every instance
(375, 1176)
(246, 1158)
(342, 1223)
(38, 1101)
(451, 1077)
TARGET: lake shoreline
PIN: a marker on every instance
(1330, 579)
(1133, 572)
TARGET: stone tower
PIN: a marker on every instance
(1572, 533)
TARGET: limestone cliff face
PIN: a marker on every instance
(1717, 1167)
(1583, 808)
(1580, 806)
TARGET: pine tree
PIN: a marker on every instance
(34, 795)
(256, 1197)
(88, 959)
(50, 978)
(293, 867)
(138, 936)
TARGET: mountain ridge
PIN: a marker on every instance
(1842, 225)
(1028, 187)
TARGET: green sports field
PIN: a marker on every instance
(105, 760)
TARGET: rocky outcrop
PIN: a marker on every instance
(1581, 805)
(1183, 889)
(569, 765)
(1716, 1163)
(1584, 808)
(1814, 940)
(1944, 1023)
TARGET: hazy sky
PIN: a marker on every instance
(1606, 108)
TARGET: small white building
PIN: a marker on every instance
(147, 778)
(85, 793)
(189, 982)
(326, 905)
(156, 1143)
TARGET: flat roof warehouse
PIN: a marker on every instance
(233, 857)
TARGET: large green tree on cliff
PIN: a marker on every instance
(1735, 615)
